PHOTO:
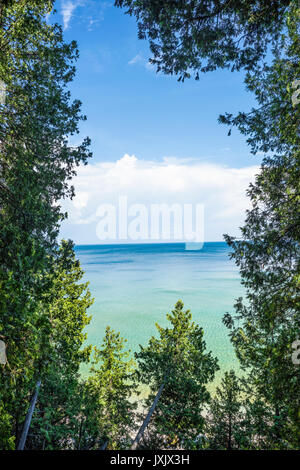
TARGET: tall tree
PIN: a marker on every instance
(267, 324)
(110, 387)
(225, 418)
(198, 36)
(36, 165)
(178, 358)
(63, 350)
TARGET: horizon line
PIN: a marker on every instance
(146, 243)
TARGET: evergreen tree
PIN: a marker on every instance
(225, 420)
(268, 322)
(178, 358)
(36, 164)
(55, 422)
(196, 36)
(109, 395)
(6, 433)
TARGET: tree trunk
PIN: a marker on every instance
(229, 433)
(139, 435)
(28, 418)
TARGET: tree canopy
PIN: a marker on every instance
(179, 358)
(36, 118)
(191, 36)
(44, 299)
(261, 37)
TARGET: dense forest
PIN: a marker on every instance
(44, 301)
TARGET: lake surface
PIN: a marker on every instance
(134, 286)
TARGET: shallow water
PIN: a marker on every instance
(134, 286)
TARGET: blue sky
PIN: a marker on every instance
(132, 110)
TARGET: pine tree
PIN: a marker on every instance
(36, 116)
(262, 38)
(225, 421)
(109, 415)
(268, 322)
(177, 358)
(63, 350)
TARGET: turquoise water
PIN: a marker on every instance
(134, 286)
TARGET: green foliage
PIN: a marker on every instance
(62, 352)
(43, 300)
(225, 418)
(268, 322)
(6, 438)
(261, 37)
(193, 36)
(178, 357)
(35, 168)
(109, 393)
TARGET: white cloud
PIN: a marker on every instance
(136, 59)
(91, 15)
(221, 189)
(80, 200)
(67, 9)
(140, 60)
(96, 12)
